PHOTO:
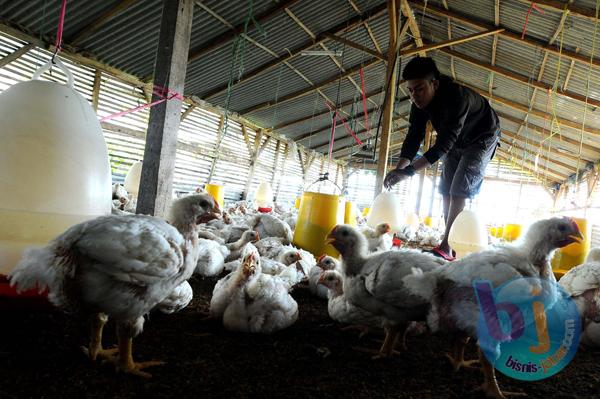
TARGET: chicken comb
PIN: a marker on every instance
(321, 258)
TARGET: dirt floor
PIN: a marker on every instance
(40, 357)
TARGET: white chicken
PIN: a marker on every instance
(375, 283)
(324, 263)
(120, 267)
(178, 299)
(583, 284)
(454, 307)
(270, 226)
(270, 247)
(379, 238)
(235, 248)
(250, 301)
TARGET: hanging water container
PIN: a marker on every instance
(318, 214)
(54, 167)
(467, 234)
(386, 209)
(132, 179)
(217, 192)
(412, 219)
(350, 214)
(574, 254)
(297, 203)
(263, 197)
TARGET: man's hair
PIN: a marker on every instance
(421, 68)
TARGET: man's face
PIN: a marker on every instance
(422, 91)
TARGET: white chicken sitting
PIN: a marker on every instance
(270, 226)
(120, 267)
(454, 307)
(374, 282)
(379, 238)
(251, 301)
(324, 263)
(583, 284)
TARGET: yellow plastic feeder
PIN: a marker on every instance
(350, 214)
(428, 221)
(467, 234)
(54, 167)
(511, 231)
(366, 212)
(297, 203)
(318, 214)
(499, 231)
(573, 254)
(217, 192)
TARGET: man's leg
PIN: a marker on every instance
(456, 206)
(446, 198)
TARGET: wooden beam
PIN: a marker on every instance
(507, 33)
(452, 42)
(188, 111)
(535, 112)
(357, 46)
(583, 12)
(343, 104)
(92, 27)
(156, 183)
(96, 89)
(545, 134)
(230, 35)
(316, 86)
(536, 143)
(554, 179)
(345, 26)
(390, 93)
(494, 44)
(541, 156)
(521, 78)
(18, 53)
(412, 23)
(247, 140)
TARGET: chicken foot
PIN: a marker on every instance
(124, 360)
(490, 386)
(457, 359)
(95, 348)
(364, 330)
(391, 336)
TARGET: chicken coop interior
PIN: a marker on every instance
(249, 132)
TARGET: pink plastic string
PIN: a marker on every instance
(163, 92)
(61, 23)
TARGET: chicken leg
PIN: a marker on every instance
(124, 361)
(457, 359)
(95, 349)
(391, 335)
(490, 386)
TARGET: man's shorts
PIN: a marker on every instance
(464, 168)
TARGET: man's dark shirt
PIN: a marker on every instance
(459, 115)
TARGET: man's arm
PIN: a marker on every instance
(414, 137)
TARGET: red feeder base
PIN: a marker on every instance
(265, 210)
(397, 242)
(26, 300)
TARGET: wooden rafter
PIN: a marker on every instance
(518, 146)
(520, 78)
(449, 28)
(92, 27)
(345, 26)
(230, 35)
(530, 171)
(494, 43)
(579, 11)
(367, 27)
(448, 43)
(518, 161)
(96, 89)
(507, 33)
(356, 46)
(412, 23)
(300, 93)
(536, 144)
(16, 54)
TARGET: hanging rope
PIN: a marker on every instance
(59, 30)
(531, 8)
(587, 92)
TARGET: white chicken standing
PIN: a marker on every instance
(178, 299)
(120, 267)
(250, 301)
(454, 307)
(270, 226)
(374, 282)
(324, 263)
(583, 284)
(379, 238)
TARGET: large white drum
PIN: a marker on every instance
(54, 166)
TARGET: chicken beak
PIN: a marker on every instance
(576, 238)
(300, 268)
(257, 236)
(321, 279)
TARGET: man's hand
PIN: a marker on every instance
(397, 175)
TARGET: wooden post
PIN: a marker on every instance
(213, 163)
(390, 95)
(96, 89)
(285, 156)
(276, 162)
(254, 154)
(156, 185)
(428, 131)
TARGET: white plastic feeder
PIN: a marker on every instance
(386, 209)
(54, 167)
(467, 234)
(263, 197)
(132, 178)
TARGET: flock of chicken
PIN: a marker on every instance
(123, 266)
